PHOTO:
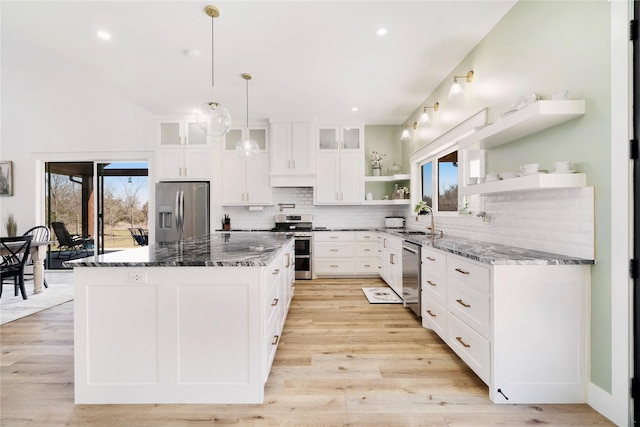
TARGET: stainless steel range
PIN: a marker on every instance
(300, 226)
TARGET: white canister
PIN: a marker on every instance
(369, 196)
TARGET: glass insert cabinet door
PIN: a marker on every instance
(339, 138)
(181, 132)
(232, 137)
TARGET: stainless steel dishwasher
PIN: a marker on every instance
(411, 293)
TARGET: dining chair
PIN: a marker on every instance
(15, 252)
(39, 233)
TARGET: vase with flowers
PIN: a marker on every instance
(376, 162)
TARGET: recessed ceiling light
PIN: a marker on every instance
(103, 35)
(381, 31)
(354, 109)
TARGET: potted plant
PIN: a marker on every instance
(11, 225)
(421, 208)
(376, 162)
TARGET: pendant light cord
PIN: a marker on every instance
(247, 82)
(212, 58)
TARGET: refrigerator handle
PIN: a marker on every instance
(177, 210)
(181, 211)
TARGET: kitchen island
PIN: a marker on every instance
(196, 321)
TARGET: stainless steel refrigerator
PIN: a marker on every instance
(182, 210)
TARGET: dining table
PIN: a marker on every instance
(38, 253)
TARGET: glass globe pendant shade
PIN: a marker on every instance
(247, 149)
(213, 119)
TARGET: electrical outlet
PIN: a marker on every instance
(137, 277)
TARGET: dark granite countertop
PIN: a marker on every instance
(222, 249)
(489, 253)
(478, 250)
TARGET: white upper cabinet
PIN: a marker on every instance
(183, 152)
(291, 152)
(176, 133)
(340, 138)
(259, 134)
(245, 182)
(340, 178)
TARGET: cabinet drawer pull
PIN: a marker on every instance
(459, 339)
(276, 271)
(459, 301)
(367, 250)
(431, 314)
(431, 283)
(429, 258)
(367, 237)
(275, 302)
(276, 338)
(367, 265)
(333, 237)
(333, 250)
(333, 266)
(459, 270)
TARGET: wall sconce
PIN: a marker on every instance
(406, 135)
(424, 119)
(456, 92)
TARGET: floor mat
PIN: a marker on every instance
(381, 296)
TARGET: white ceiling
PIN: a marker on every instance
(310, 60)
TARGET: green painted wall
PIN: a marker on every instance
(542, 47)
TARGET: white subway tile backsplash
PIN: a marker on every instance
(555, 220)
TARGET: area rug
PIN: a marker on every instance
(60, 290)
(381, 296)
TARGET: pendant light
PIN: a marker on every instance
(211, 117)
(247, 148)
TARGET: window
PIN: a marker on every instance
(442, 180)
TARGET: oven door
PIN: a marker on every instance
(303, 257)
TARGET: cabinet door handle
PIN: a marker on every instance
(392, 259)
(275, 302)
(288, 261)
(459, 339)
(429, 258)
(462, 303)
(384, 243)
(276, 271)
(431, 283)
(431, 314)
(294, 164)
(247, 197)
(185, 171)
(459, 270)
(276, 338)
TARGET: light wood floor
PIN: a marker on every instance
(341, 361)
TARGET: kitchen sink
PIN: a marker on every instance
(423, 233)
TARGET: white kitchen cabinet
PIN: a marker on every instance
(345, 254)
(181, 133)
(391, 262)
(520, 328)
(334, 138)
(260, 134)
(333, 253)
(184, 163)
(245, 182)
(339, 178)
(183, 152)
(291, 152)
(184, 335)
(367, 260)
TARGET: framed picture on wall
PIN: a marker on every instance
(6, 178)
